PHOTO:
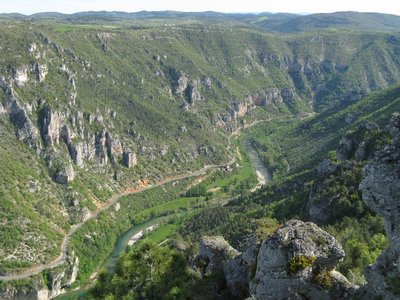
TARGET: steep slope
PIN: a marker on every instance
(347, 20)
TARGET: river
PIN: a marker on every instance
(264, 175)
(122, 243)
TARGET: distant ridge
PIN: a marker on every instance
(338, 20)
(275, 22)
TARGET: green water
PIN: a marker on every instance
(256, 161)
(122, 242)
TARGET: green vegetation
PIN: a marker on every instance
(323, 278)
(147, 272)
(125, 76)
(300, 262)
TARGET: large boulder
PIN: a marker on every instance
(297, 262)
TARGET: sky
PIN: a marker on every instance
(292, 6)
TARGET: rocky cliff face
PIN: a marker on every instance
(381, 191)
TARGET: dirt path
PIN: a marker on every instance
(64, 246)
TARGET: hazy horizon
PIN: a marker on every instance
(29, 7)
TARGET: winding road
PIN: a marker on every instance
(64, 246)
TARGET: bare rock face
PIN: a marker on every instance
(40, 71)
(50, 126)
(25, 130)
(66, 175)
(100, 146)
(381, 191)
(206, 81)
(114, 146)
(20, 76)
(182, 84)
(215, 250)
(279, 276)
(129, 159)
(193, 92)
(242, 108)
(288, 95)
(240, 270)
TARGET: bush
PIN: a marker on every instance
(323, 278)
(298, 263)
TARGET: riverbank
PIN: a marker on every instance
(264, 175)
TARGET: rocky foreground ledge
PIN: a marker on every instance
(297, 262)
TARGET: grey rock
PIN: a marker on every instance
(346, 148)
(117, 176)
(50, 126)
(13, 293)
(216, 250)
(267, 97)
(361, 152)
(288, 95)
(25, 130)
(100, 146)
(380, 190)
(273, 280)
(114, 146)
(129, 159)
(193, 92)
(160, 73)
(182, 84)
(240, 270)
(367, 125)
(236, 277)
(327, 167)
(32, 47)
(20, 75)
(66, 175)
(206, 81)
(40, 71)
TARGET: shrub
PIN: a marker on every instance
(323, 278)
(300, 262)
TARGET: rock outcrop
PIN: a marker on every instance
(20, 76)
(65, 175)
(129, 159)
(297, 262)
(40, 71)
(381, 191)
(25, 130)
(215, 250)
(100, 146)
(193, 91)
(290, 263)
(50, 126)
